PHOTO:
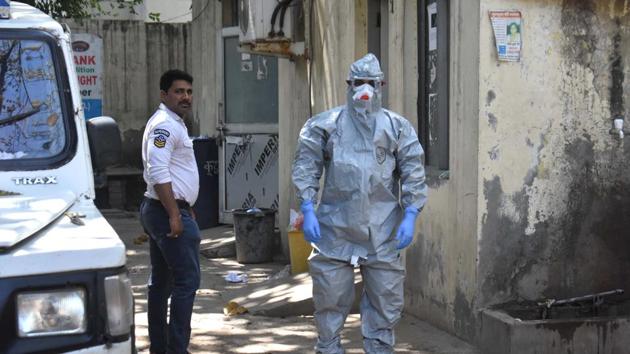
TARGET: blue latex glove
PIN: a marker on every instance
(406, 228)
(311, 225)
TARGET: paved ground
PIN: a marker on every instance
(214, 332)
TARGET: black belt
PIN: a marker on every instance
(182, 204)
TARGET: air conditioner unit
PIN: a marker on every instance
(272, 27)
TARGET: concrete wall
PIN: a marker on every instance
(135, 54)
(554, 185)
(293, 110)
(536, 202)
(441, 263)
(171, 11)
(208, 82)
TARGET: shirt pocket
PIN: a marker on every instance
(185, 150)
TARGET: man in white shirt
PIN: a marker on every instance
(172, 179)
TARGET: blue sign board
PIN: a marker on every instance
(92, 108)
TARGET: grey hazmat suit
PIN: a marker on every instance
(372, 161)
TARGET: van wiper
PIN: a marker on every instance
(18, 117)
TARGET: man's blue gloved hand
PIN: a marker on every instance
(406, 229)
(311, 225)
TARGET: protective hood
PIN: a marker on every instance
(366, 68)
(23, 216)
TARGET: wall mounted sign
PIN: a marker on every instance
(508, 27)
(88, 60)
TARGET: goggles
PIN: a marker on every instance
(359, 82)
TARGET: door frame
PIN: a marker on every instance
(234, 129)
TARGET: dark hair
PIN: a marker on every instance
(171, 75)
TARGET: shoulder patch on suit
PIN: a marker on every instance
(160, 131)
(159, 141)
(381, 155)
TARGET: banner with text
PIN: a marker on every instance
(88, 59)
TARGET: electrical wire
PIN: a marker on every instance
(176, 17)
(279, 6)
(202, 11)
(282, 13)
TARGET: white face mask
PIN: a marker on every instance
(362, 97)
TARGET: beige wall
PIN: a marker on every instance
(554, 185)
(441, 263)
(293, 112)
(538, 189)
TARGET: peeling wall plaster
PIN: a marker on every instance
(554, 184)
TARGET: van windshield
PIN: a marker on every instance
(31, 116)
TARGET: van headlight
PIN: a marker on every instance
(119, 299)
(54, 312)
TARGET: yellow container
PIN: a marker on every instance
(299, 250)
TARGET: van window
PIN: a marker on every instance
(31, 119)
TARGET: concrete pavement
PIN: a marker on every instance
(279, 305)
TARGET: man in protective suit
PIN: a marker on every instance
(373, 191)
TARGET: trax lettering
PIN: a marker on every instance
(23, 181)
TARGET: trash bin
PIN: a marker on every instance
(254, 233)
(207, 205)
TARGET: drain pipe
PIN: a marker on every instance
(596, 299)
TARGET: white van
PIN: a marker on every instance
(63, 281)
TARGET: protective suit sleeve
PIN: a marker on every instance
(309, 161)
(409, 163)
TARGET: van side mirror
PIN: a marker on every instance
(105, 142)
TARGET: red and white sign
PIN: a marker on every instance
(88, 60)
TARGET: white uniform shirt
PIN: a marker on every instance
(168, 156)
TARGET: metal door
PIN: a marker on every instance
(249, 129)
